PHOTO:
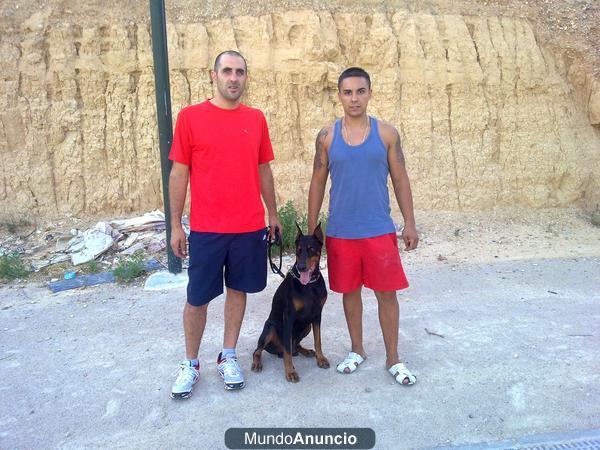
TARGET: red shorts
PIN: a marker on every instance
(373, 262)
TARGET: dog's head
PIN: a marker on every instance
(308, 252)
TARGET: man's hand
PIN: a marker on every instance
(275, 224)
(410, 237)
(178, 242)
(178, 182)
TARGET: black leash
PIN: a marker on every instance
(276, 243)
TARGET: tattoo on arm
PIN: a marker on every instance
(398, 148)
(319, 144)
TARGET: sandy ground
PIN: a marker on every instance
(505, 234)
(500, 325)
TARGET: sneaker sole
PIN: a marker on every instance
(234, 386)
(181, 395)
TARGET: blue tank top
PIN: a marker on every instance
(359, 202)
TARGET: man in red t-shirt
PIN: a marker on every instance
(222, 147)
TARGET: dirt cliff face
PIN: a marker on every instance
(491, 110)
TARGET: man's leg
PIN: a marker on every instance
(245, 271)
(235, 307)
(389, 314)
(227, 365)
(353, 311)
(194, 321)
(205, 272)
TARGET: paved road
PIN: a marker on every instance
(516, 352)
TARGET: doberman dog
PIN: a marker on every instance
(297, 305)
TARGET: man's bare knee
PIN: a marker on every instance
(386, 297)
(195, 311)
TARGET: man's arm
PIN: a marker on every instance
(402, 189)
(178, 182)
(267, 190)
(319, 177)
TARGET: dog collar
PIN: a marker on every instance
(314, 277)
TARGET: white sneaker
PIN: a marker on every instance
(187, 376)
(230, 371)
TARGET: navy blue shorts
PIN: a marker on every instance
(242, 255)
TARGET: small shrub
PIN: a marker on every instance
(289, 216)
(12, 267)
(130, 268)
(92, 266)
(323, 220)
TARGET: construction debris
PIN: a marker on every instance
(106, 241)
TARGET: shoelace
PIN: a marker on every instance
(186, 374)
(230, 367)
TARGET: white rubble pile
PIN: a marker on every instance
(122, 237)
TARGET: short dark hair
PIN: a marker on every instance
(354, 72)
(230, 53)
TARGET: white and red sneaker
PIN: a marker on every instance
(230, 371)
(187, 376)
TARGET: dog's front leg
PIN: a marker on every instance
(290, 371)
(321, 360)
(265, 339)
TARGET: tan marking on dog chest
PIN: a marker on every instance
(298, 304)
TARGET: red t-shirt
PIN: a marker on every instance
(223, 148)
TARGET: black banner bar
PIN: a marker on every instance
(300, 438)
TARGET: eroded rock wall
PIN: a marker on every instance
(488, 116)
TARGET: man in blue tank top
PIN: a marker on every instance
(360, 152)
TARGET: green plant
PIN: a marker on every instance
(323, 218)
(129, 269)
(289, 216)
(12, 267)
(92, 266)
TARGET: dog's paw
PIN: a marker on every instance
(306, 352)
(257, 366)
(292, 377)
(322, 362)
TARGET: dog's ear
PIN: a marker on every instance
(318, 233)
(299, 231)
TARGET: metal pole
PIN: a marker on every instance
(163, 113)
